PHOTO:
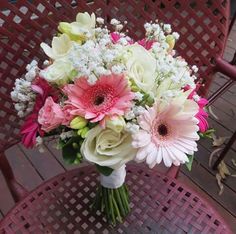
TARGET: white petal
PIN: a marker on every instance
(141, 154)
(159, 156)
(151, 158)
(180, 156)
(191, 136)
(47, 50)
(188, 147)
(166, 157)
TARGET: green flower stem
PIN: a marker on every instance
(124, 197)
(106, 204)
(111, 206)
(117, 210)
(120, 204)
(113, 202)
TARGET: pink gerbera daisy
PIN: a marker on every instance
(167, 132)
(109, 96)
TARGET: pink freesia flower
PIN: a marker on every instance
(202, 114)
(50, 115)
(31, 128)
(147, 44)
(109, 96)
(115, 37)
(167, 132)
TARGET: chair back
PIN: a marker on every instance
(202, 25)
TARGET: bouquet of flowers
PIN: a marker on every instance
(110, 100)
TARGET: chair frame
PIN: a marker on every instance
(216, 11)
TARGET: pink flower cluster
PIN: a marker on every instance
(202, 114)
(110, 96)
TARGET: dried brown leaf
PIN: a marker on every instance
(218, 179)
(223, 170)
(212, 155)
(218, 141)
(212, 113)
(233, 161)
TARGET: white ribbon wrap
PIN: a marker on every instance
(115, 179)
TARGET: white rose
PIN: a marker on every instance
(117, 123)
(80, 30)
(60, 47)
(141, 67)
(59, 72)
(107, 147)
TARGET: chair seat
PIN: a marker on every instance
(159, 204)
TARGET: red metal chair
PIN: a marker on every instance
(203, 26)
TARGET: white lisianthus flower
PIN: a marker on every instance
(80, 30)
(141, 67)
(117, 123)
(60, 47)
(58, 73)
(107, 147)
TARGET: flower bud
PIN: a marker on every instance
(82, 132)
(170, 40)
(78, 123)
(75, 145)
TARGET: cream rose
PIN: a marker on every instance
(107, 147)
(58, 73)
(80, 30)
(141, 67)
(60, 47)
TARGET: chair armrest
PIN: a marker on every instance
(17, 190)
(226, 68)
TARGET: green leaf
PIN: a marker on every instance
(190, 162)
(104, 170)
(207, 134)
(70, 151)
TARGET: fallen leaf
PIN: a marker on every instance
(233, 161)
(218, 141)
(212, 155)
(218, 179)
(212, 113)
(223, 170)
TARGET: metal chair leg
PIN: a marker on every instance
(17, 190)
(225, 150)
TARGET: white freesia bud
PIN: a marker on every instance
(60, 47)
(81, 29)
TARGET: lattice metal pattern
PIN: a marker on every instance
(25, 24)
(159, 205)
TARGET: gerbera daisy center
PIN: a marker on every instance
(162, 130)
(99, 100)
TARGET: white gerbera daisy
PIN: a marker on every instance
(167, 132)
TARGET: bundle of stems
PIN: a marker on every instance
(113, 202)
